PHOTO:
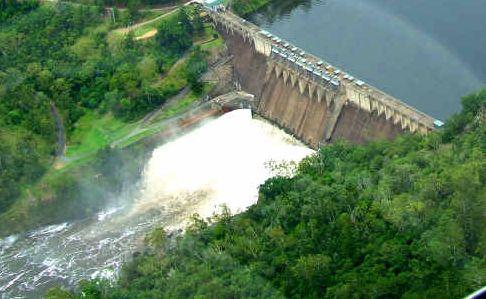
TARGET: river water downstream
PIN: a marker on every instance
(221, 163)
(427, 53)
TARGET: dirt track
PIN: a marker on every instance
(135, 26)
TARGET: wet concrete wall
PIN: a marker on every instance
(359, 126)
(249, 66)
(299, 113)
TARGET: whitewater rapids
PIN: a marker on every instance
(220, 163)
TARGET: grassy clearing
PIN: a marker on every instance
(213, 44)
(151, 14)
(94, 132)
(175, 76)
(206, 35)
(151, 25)
(181, 106)
(144, 29)
(210, 39)
(177, 108)
(150, 21)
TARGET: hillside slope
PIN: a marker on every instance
(71, 85)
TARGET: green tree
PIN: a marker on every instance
(133, 6)
(174, 37)
(196, 65)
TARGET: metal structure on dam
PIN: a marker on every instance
(309, 97)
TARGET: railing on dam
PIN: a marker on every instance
(312, 71)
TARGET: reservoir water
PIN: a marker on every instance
(220, 163)
(427, 53)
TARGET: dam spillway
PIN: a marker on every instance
(306, 95)
(197, 172)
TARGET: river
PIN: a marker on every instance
(220, 163)
(428, 53)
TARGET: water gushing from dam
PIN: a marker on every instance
(220, 163)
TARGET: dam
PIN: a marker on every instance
(307, 96)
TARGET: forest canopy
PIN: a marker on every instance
(11, 8)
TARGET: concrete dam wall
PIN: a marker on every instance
(306, 96)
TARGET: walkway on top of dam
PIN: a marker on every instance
(321, 70)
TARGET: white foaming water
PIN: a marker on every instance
(221, 163)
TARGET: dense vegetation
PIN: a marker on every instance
(11, 8)
(35, 62)
(70, 59)
(128, 12)
(386, 220)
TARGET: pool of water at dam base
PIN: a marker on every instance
(427, 53)
(220, 163)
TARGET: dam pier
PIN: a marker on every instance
(315, 101)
